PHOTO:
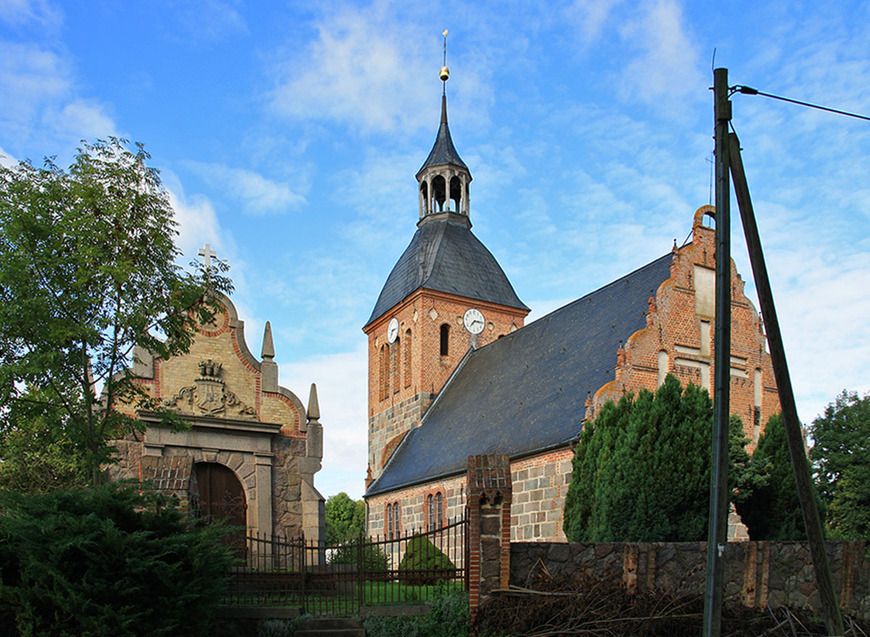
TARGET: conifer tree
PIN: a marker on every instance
(772, 511)
(641, 470)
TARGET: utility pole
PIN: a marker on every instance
(794, 435)
(730, 164)
(717, 532)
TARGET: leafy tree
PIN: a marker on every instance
(641, 471)
(772, 511)
(841, 458)
(87, 272)
(345, 518)
(114, 560)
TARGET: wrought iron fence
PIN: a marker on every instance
(336, 580)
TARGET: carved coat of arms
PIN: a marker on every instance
(209, 395)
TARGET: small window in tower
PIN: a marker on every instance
(445, 339)
(407, 356)
(396, 365)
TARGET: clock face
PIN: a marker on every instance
(474, 321)
(393, 330)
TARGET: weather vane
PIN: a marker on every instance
(445, 72)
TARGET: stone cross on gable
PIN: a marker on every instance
(207, 253)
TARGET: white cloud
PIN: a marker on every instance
(258, 194)
(196, 218)
(84, 118)
(18, 13)
(343, 396)
(667, 61)
(6, 159)
(591, 17)
(211, 20)
(364, 69)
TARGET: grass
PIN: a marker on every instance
(373, 593)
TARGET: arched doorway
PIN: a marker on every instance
(220, 496)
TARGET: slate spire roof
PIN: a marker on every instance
(444, 254)
(443, 152)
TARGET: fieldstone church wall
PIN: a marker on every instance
(757, 574)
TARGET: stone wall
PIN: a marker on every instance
(757, 574)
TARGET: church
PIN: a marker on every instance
(251, 449)
(453, 371)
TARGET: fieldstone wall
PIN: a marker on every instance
(757, 574)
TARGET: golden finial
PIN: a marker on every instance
(445, 72)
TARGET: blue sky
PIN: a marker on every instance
(289, 133)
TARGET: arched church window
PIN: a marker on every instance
(439, 193)
(439, 510)
(407, 356)
(384, 372)
(389, 528)
(396, 365)
(445, 339)
(430, 512)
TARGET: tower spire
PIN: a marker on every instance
(444, 177)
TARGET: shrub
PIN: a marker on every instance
(112, 560)
(424, 563)
(373, 557)
(448, 617)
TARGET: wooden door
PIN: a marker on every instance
(222, 497)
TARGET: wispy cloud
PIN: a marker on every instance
(258, 195)
(363, 70)
(19, 13)
(666, 58)
(343, 394)
(211, 20)
(196, 218)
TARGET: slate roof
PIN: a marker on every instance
(526, 392)
(445, 256)
(443, 151)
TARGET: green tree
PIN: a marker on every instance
(641, 471)
(841, 458)
(772, 511)
(87, 272)
(345, 518)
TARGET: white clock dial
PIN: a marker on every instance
(393, 330)
(474, 321)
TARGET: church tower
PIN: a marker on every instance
(446, 295)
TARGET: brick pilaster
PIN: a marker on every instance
(489, 516)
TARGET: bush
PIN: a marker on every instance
(373, 557)
(112, 560)
(421, 556)
(448, 617)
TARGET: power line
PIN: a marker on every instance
(748, 90)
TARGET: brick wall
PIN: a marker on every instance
(540, 484)
(679, 338)
(405, 376)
